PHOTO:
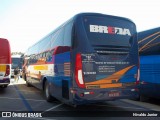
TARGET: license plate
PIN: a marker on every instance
(113, 94)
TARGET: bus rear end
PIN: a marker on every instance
(105, 57)
(5, 62)
(16, 63)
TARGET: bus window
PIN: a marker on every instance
(67, 34)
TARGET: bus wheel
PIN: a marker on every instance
(143, 98)
(4, 86)
(24, 77)
(27, 83)
(47, 93)
(75, 106)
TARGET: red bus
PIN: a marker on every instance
(5, 62)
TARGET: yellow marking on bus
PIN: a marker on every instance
(2, 68)
(41, 67)
(115, 85)
(116, 76)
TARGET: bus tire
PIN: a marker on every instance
(4, 86)
(25, 78)
(75, 106)
(143, 98)
(47, 92)
(28, 84)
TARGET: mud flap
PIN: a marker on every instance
(65, 89)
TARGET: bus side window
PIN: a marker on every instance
(58, 38)
(34, 59)
(67, 34)
(49, 56)
(38, 56)
(51, 52)
(28, 62)
(43, 55)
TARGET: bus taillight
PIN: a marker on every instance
(138, 77)
(138, 72)
(78, 71)
(7, 70)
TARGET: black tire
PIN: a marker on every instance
(143, 98)
(27, 83)
(25, 78)
(136, 98)
(4, 86)
(48, 96)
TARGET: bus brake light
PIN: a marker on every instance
(7, 71)
(138, 72)
(78, 71)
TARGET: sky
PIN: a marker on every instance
(24, 22)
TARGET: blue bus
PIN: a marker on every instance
(90, 58)
(149, 48)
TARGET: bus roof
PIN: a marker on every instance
(4, 39)
(102, 15)
(149, 40)
(76, 17)
(146, 33)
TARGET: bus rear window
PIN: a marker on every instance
(108, 31)
(16, 62)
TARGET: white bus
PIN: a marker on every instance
(16, 62)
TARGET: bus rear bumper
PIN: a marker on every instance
(4, 81)
(93, 96)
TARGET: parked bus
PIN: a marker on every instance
(149, 50)
(16, 63)
(90, 58)
(5, 62)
